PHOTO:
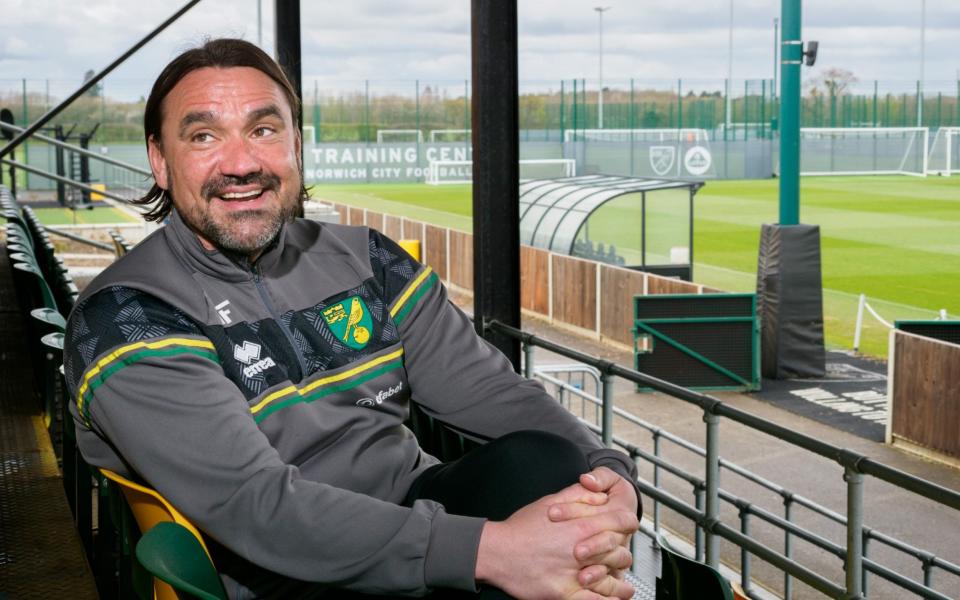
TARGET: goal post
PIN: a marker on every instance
(864, 150)
(944, 155)
(450, 135)
(410, 136)
(445, 172)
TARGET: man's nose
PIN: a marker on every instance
(239, 158)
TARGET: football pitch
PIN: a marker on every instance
(895, 239)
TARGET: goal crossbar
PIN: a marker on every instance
(416, 132)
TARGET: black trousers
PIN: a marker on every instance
(494, 481)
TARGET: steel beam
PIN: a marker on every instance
(496, 172)
(287, 44)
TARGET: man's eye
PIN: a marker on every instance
(201, 137)
(263, 131)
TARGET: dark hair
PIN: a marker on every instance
(219, 53)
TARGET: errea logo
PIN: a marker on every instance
(247, 354)
(380, 397)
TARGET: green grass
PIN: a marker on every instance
(895, 239)
(97, 215)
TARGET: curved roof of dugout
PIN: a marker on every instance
(552, 211)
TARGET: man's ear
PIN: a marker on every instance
(158, 164)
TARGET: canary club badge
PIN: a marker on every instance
(350, 321)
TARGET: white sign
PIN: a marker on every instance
(697, 160)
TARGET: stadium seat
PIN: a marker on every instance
(176, 563)
(683, 578)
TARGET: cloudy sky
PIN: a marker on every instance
(394, 42)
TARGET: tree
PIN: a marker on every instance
(96, 89)
(834, 81)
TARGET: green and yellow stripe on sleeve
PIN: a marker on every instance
(411, 294)
(124, 356)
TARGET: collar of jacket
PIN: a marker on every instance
(186, 245)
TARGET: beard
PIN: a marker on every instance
(245, 232)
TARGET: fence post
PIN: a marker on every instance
(656, 480)
(856, 331)
(787, 544)
(866, 573)
(698, 529)
(528, 360)
(744, 553)
(712, 491)
(854, 560)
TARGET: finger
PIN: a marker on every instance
(619, 521)
(612, 587)
(600, 479)
(575, 510)
(591, 574)
(601, 545)
(616, 560)
(578, 493)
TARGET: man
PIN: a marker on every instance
(257, 370)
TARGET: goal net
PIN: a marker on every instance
(387, 136)
(443, 172)
(944, 156)
(450, 135)
(863, 151)
(635, 135)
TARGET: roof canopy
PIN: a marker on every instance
(552, 211)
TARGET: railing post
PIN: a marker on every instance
(713, 485)
(656, 480)
(606, 380)
(866, 573)
(927, 565)
(787, 545)
(528, 360)
(854, 562)
(744, 554)
(698, 529)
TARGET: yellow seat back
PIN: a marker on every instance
(150, 508)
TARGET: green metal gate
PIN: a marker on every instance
(699, 341)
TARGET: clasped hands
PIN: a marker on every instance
(573, 544)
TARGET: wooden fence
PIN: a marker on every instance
(588, 296)
(923, 388)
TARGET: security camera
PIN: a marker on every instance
(810, 56)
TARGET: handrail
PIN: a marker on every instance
(78, 238)
(61, 179)
(843, 456)
(32, 128)
(82, 151)
(708, 495)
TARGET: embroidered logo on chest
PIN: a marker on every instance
(350, 321)
(249, 354)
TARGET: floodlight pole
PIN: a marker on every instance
(776, 55)
(600, 10)
(792, 58)
(923, 60)
(729, 115)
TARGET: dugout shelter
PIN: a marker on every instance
(640, 223)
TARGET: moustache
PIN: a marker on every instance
(216, 186)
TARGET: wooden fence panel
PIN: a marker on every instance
(375, 220)
(391, 227)
(413, 230)
(575, 291)
(617, 289)
(534, 279)
(668, 285)
(926, 393)
(461, 259)
(356, 216)
(436, 251)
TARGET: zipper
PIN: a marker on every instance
(261, 289)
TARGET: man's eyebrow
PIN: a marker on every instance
(271, 110)
(195, 117)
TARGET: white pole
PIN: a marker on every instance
(856, 332)
(923, 57)
(729, 68)
(600, 10)
(259, 24)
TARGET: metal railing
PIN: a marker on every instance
(707, 495)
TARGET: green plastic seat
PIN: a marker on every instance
(683, 578)
(172, 553)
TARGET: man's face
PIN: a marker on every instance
(229, 155)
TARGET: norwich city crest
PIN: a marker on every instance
(350, 321)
